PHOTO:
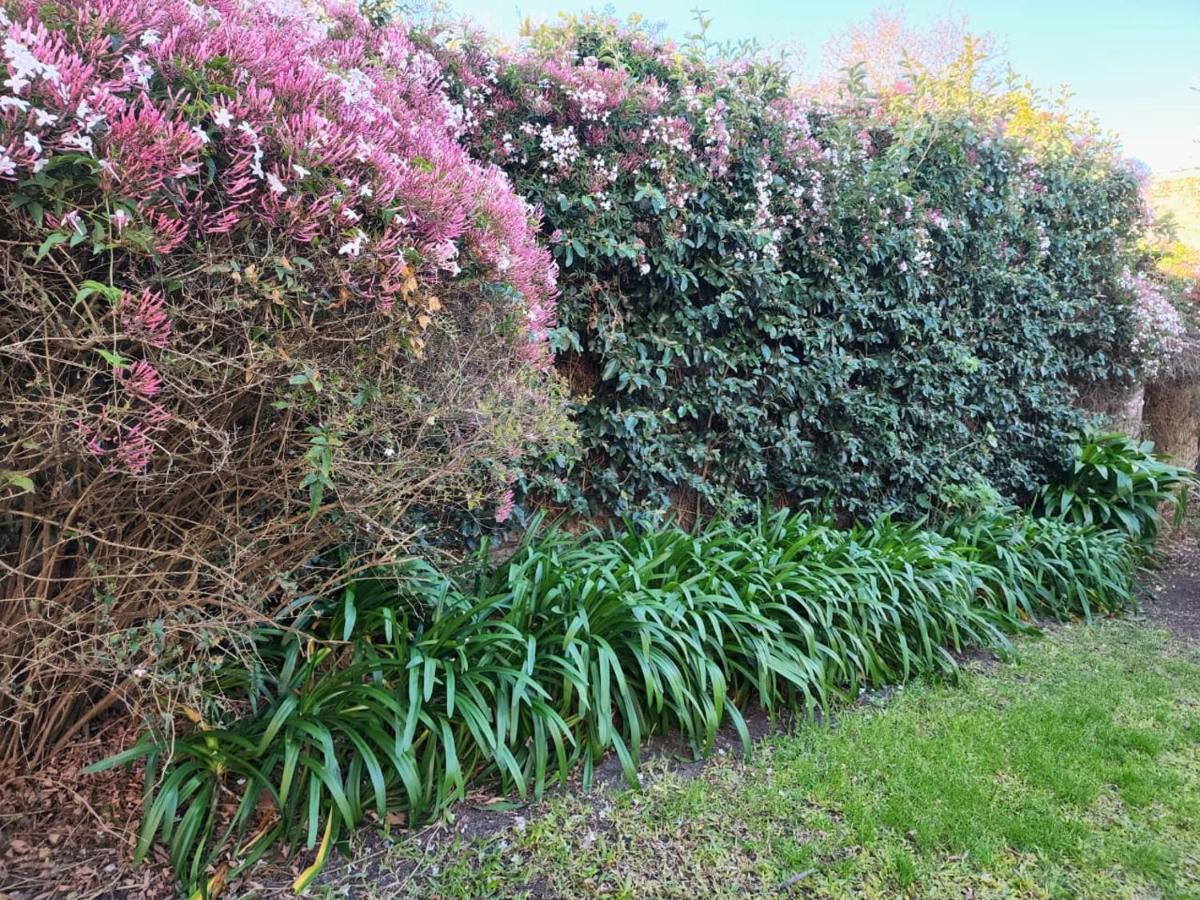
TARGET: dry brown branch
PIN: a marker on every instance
(123, 585)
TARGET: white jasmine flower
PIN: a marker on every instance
(353, 247)
(79, 142)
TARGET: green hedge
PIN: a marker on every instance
(868, 302)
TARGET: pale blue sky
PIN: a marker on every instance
(1135, 65)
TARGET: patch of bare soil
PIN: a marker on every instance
(1174, 595)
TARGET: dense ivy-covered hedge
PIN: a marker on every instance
(760, 296)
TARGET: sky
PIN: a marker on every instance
(1134, 65)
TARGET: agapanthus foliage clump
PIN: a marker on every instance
(265, 322)
(762, 295)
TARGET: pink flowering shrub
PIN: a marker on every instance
(1160, 331)
(260, 304)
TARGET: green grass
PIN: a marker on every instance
(1072, 771)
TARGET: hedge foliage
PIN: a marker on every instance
(869, 301)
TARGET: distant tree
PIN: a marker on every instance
(888, 50)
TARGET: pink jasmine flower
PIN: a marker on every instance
(505, 508)
(155, 419)
(135, 450)
(141, 380)
(13, 103)
(120, 219)
(139, 69)
(73, 221)
(25, 66)
(222, 118)
(145, 318)
(7, 166)
(32, 142)
(275, 184)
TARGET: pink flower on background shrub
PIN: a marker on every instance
(1159, 329)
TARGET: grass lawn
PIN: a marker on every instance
(1072, 771)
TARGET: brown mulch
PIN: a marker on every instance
(67, 834)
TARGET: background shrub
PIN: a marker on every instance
(264, 323)
(868, 301)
